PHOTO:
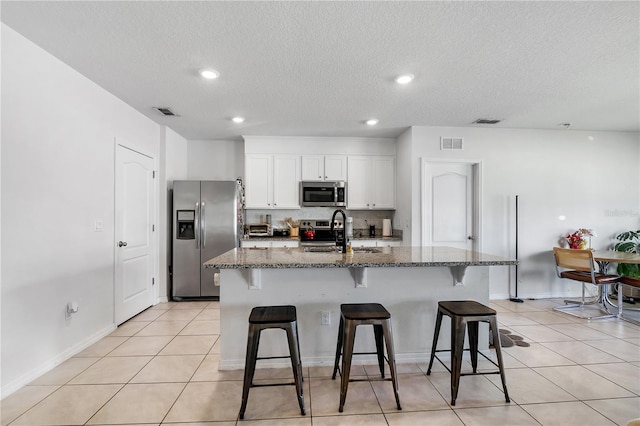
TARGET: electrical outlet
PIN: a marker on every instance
(325, 318)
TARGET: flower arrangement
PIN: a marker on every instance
(576, 239)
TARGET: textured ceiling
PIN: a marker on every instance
(323, 68)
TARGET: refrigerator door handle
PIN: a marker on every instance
(203, 220)
(197, 230)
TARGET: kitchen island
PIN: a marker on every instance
(408, 281)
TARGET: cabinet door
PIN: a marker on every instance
(289, 244)
(286, 182)
(258, 181)
(363, 243)
(255, 244)
(382, 243)
(358, 183)
(312, 167)
(335, 167)
(384, 183)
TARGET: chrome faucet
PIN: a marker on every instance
(340, 241)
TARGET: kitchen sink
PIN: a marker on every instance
(328, 249)
(333, 249)
(366, 250)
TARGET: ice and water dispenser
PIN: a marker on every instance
(186, 224)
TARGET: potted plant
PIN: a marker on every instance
(628, 242)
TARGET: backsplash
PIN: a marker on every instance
(361, 218)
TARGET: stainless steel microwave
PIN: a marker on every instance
(323, 194)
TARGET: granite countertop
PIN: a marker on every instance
(355, 238)
(284, 258)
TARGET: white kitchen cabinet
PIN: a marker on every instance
(363, 243)
(383, 243)
(324, 167)
(371, 182)
(258, 181)
(286, 182)
(255, 244)
(269, 244)
(284, 243)
(272, 181)
(375, 243)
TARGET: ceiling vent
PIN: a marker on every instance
(166, 111)
(447, 144)
(486, 121)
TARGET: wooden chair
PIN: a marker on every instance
(578, 265)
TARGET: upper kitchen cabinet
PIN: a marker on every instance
(324, 167)
(371, 183)
(272, 181)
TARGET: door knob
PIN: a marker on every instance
(470, 237)
(122, 243)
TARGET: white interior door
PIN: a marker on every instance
(449, 205)
(135, 210)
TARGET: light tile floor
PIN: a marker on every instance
(161, 368)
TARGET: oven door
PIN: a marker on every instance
(321, 238)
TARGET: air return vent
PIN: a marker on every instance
(450, 143)
(166, 111)
(486, 121)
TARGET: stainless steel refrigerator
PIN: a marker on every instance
(207, 221)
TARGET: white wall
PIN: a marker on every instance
(173, 151)
(591, 178)
(215, 160)
(318, 145)
(58, 131)
(403, 217)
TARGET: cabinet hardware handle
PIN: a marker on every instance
(122, 243)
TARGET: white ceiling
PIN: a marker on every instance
(323, 68)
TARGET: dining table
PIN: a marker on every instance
(604, 258)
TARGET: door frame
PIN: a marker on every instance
(476, 170)
(119, 141)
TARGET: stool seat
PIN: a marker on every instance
(465, 315)
(272, 314)
(263, 318)
(466, 308)
(351, 316)
(357, 311)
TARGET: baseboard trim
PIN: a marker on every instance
(47, 366)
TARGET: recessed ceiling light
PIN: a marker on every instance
(210, 74)
(237, 119)
(404, 79)
(372, 121)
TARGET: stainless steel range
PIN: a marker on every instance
(317, 232)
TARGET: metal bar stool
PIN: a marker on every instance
(467, 313)
(351, 316)
(262, 318)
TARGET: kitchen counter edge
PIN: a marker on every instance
(295, 258)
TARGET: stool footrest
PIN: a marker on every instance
(263, 385)
(467, 374)
(273, 357)
(375, 379)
